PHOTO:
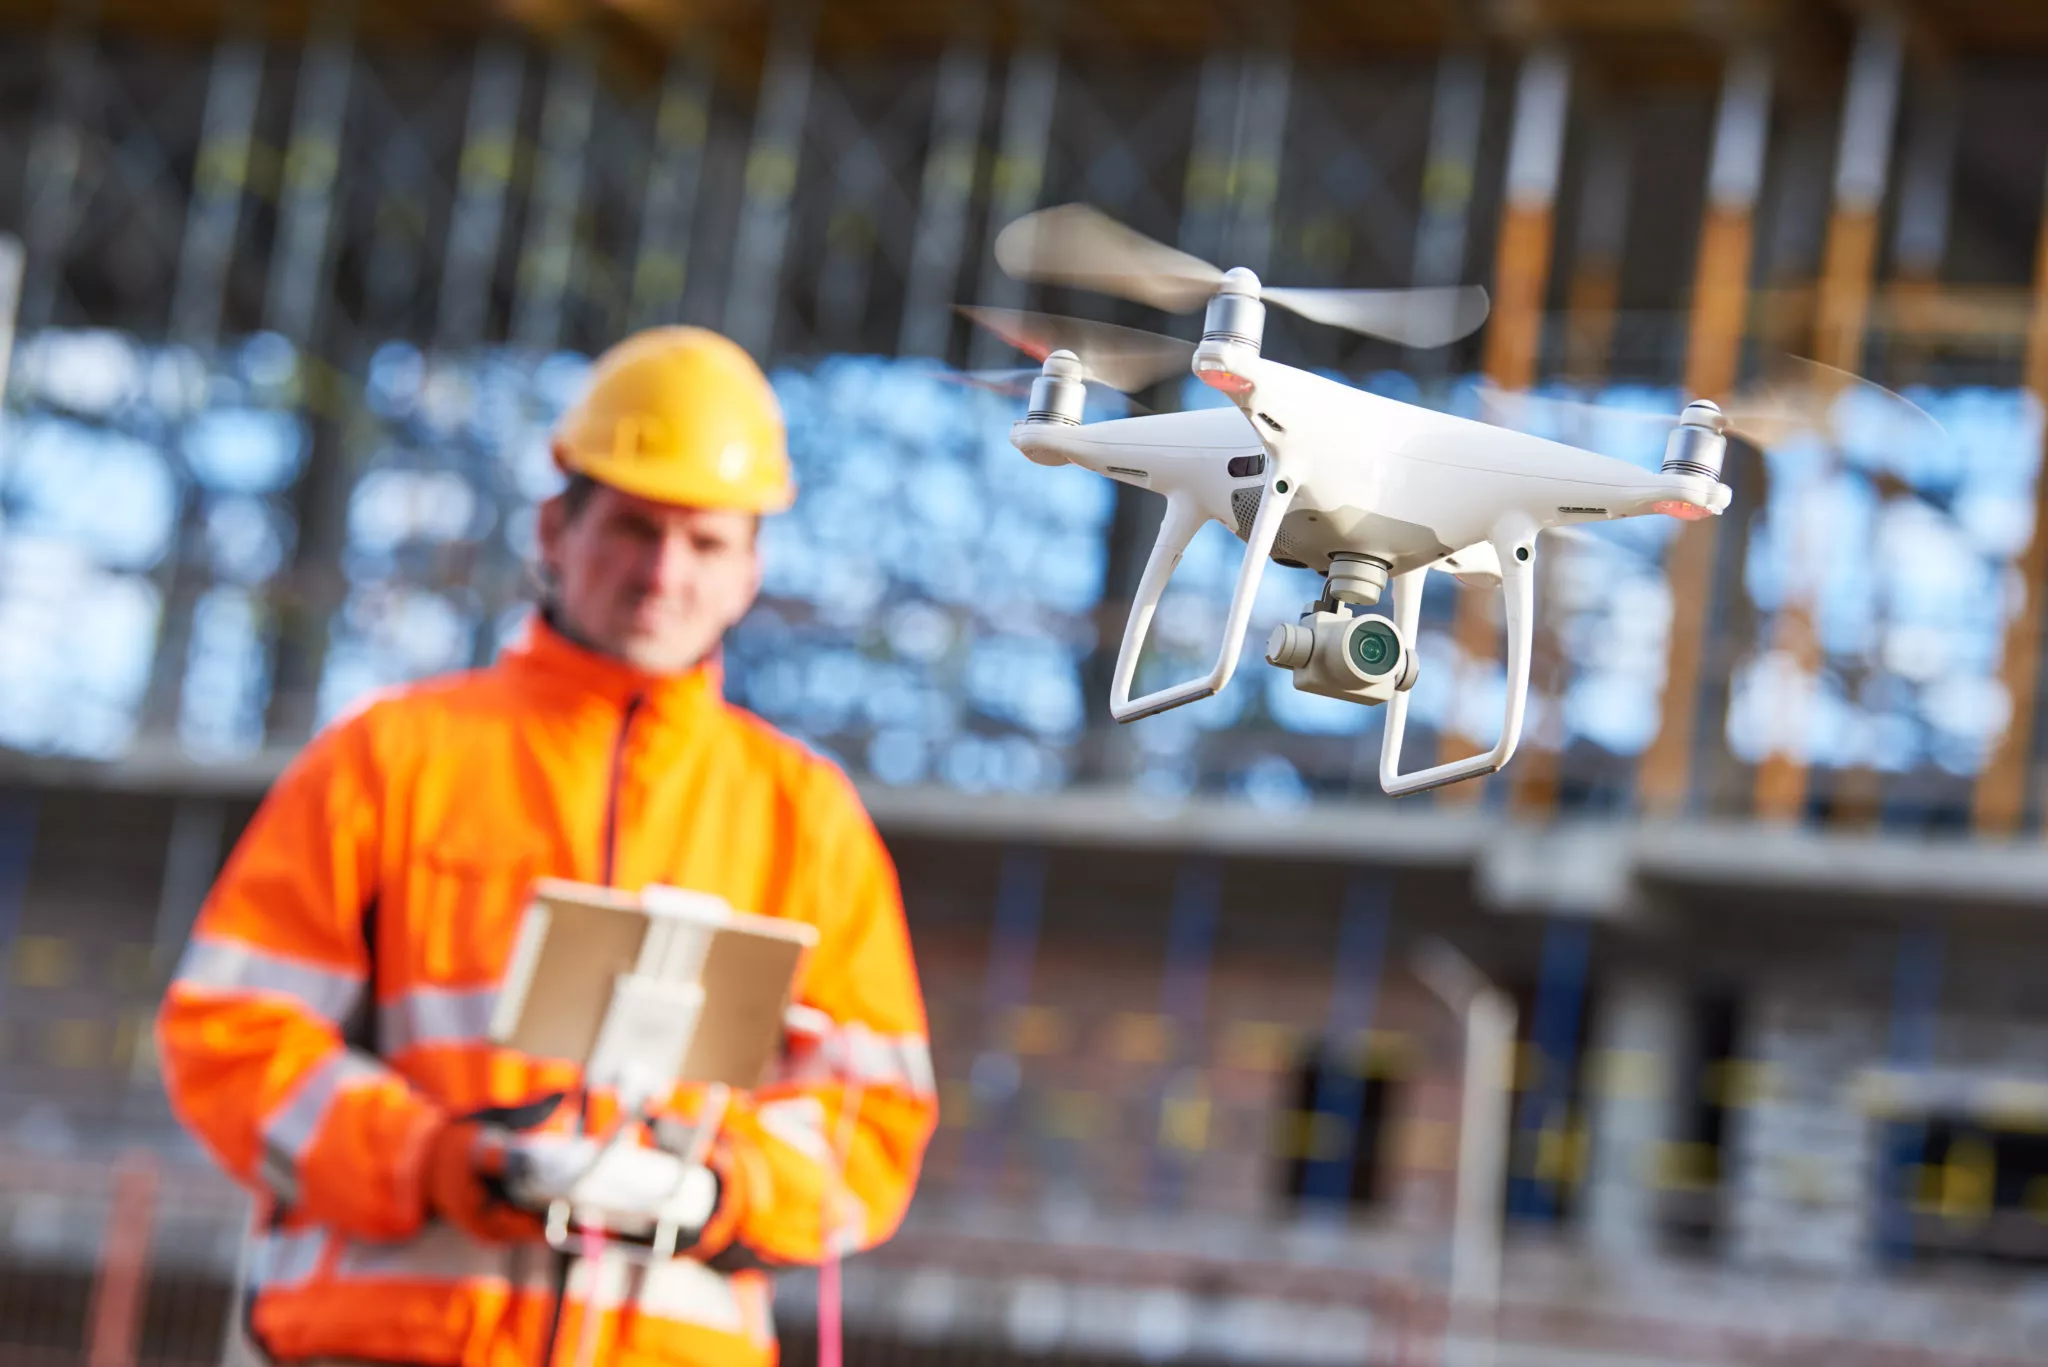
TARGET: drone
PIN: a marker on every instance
(1370, 492)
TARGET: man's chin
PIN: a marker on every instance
(661, 655)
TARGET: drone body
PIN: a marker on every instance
(1371, 476)
(1366, 490)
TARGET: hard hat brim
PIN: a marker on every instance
(672, 486)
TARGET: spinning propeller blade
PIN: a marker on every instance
(1125, 359)
(1015, 383)
(1078, 245)
(1800, 397)
(1799, 401)
(1419, 318)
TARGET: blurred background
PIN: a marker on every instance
(295, 290)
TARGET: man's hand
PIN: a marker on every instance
(625, 1189)
(465, 1184)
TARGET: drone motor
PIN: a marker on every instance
(1235, 313)
(1699, 443)
(1060, 392)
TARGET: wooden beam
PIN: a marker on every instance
(1521, 271)
(1999, 802)
(1782, 779)
(1920, 222)
(1713, 350)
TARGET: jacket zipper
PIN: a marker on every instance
(611, 803)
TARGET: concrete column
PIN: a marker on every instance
(192, 859)
(483, 177)
(1455, 117)
(995, 1076)
(55, 153)
(312, 164)
(12, 258)
(556, 193)
(682, 127)
(1595, 292)
(945, 200)
(1018, 177)
(1638, 1043)
(1800, 1156)
(772, 160)
(219, 181)
(1233, 166)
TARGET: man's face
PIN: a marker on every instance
(652, 584)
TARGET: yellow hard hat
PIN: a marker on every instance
(680, 415)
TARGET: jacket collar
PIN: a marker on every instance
(541, 651)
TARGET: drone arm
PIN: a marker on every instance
(1518, 586)
(1183, 519)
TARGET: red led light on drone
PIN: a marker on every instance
(1225, 382)
(1680, 509)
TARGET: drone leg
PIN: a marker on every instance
(1407, 617)
(1183, 520)
(1518, 586)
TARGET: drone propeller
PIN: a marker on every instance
(1799, 399)
(1124, 359)
(1076, 244)
(1015, 383)
(1760, 417)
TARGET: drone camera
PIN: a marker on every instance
(1374, 652)
(1358, 659)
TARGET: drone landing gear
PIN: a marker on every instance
(1183, 519)
(1516, 550)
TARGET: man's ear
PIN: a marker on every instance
(552, 518)
(753, 592)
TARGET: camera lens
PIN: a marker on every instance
(1375, 649)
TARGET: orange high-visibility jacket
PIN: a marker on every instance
(405, 837)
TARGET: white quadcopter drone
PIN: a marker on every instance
(1366, 490)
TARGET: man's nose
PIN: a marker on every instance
(674, 562)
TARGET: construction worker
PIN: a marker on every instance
(326, 1034)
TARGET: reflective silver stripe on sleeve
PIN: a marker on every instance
(229, 966)
(800, 1123)
(290, 1129)
(856, 1054)
(680, 1289)
(285, 1259)
(435, 1015)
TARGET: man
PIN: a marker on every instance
(326, 1034)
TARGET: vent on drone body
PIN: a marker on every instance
(1244, 508)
